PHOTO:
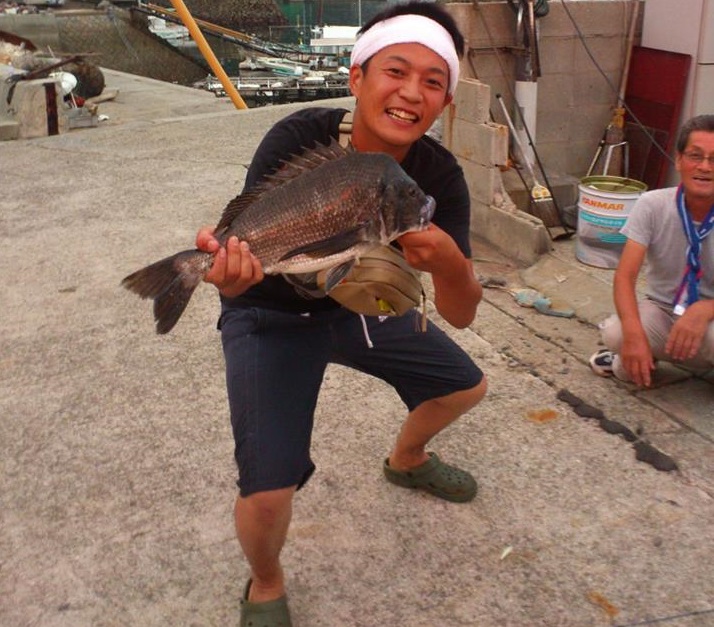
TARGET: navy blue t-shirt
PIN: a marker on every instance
(434, 169)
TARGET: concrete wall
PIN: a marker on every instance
(576, 95)
(574, 100)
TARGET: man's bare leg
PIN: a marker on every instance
(262, 520)
(428, 419)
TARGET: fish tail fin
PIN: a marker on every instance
(170, 283)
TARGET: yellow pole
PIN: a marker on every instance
(207, 53)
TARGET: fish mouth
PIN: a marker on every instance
(426, 213)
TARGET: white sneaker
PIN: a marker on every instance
(601, 363)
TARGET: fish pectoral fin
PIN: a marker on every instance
(334, 275)
(331, 245)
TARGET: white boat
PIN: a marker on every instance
(283, 67)
(251, 63)
(175, 34)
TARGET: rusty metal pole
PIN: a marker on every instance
(207, 53)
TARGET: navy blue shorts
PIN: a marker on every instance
(275, 363)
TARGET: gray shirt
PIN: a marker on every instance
(655, 223)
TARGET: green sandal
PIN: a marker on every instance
(435, 477)
(268, 614)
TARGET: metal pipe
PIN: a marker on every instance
(207, 53)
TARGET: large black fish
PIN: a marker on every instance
(321, 209)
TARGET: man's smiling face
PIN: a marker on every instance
(696, 165)
(399, 96)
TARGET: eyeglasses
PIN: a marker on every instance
(698, 158)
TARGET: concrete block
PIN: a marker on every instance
(500, 86)
(559, 157)
(484, 183)
(563, 187)
(591, 124)
(496, 216)
(516, 234)
(499, 142)
(462, 15)
(485, 144)
(560, 53)
(498, 16)
(463, 147)
(471, 100)
(568, 156)
(29, 108)
(489, 70)
(608, 52)
(81, 117)
(555, 92)
(589, 89)
(516, 190)
(593, 18)
(9, 129)
(553, 125)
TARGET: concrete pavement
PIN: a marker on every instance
(117, 477)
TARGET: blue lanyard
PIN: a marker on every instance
(695, 236)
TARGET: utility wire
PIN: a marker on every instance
(613, 87)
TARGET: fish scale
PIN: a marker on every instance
(323, 201)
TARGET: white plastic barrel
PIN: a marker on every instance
(604, 203)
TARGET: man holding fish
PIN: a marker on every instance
(277, 343)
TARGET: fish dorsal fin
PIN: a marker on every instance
(296, 165)
(309, 159)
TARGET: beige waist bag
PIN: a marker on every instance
(381, 283)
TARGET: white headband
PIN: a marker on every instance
(407, 29)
